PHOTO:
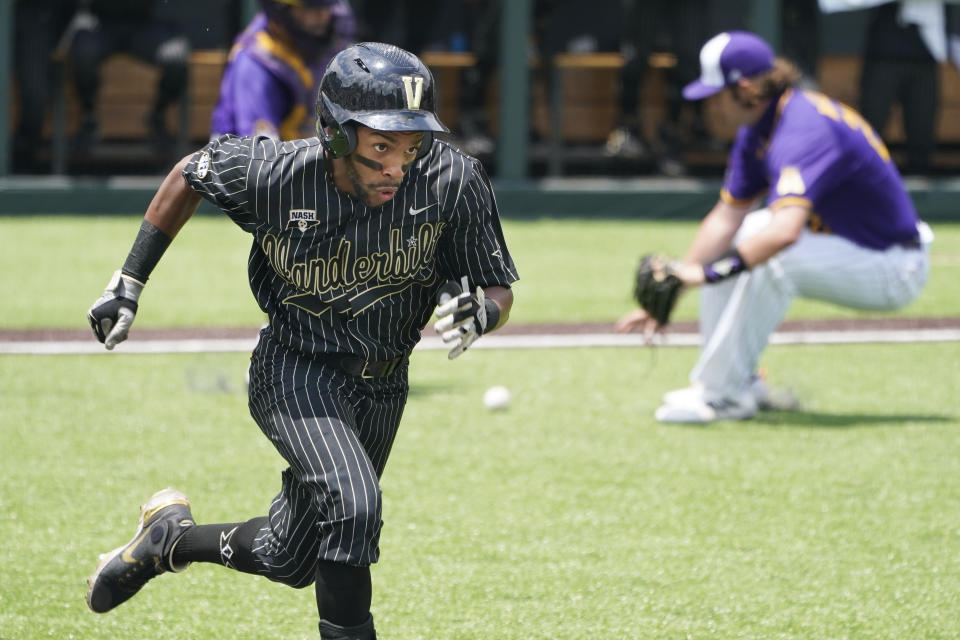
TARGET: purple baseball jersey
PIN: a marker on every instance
(811, 150)
(270, 88)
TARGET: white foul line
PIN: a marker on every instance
(519, 341)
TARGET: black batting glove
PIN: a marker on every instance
(112, 314)
(463, 316)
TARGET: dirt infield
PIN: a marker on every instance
(226, 333)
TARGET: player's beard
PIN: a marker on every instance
(365, 191)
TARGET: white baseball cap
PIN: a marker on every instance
(727, 57)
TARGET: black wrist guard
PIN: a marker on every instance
(729, 264)
(493, 314)
(146, 252)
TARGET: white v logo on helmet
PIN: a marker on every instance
(413, 87)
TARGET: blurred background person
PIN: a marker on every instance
(270, 83)
(39, 25)
(557, 26)
(101, 28)
(800, 37)
(414, 25)
(676, 28)
(480, 29)
(629, 140)
(905, 45)
(459, 26)
(671, 31)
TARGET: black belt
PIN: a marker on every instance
(356, 366)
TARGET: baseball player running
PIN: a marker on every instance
(355, 233)
(838, 227)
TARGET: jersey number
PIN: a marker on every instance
(842, 113)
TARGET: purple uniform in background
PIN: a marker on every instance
(810, 149)
(822, 166)
(269, 87)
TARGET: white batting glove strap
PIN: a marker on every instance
(456, 312)
(123, 286)
(462, 319)
(463, 336)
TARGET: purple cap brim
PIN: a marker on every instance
(697, 90)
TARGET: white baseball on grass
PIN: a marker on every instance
(496, 398)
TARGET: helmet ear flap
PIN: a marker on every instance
(343, 140)
(425, 145)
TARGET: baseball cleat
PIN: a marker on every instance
(693, 393)
(767, 398)
(772, 399)
(694, 407)
(122, 572)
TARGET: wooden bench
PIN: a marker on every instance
(447, 67)
(585, 99)
(206, 70)
(583, 102)
(127, 90)
(581, 105)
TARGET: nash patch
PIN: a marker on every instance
(203, 165)
(302, 219)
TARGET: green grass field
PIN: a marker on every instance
(572, 515)
(570, 270)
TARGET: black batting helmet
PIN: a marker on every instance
(379, 86)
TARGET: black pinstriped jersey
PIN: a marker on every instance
(337, 276)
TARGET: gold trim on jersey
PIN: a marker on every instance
(283, 52)
(791, 201)
(727, 197)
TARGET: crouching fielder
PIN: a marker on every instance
(839, 226)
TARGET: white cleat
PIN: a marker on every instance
(695, 408)
(765, 397)
(771, 399)
(686, 395)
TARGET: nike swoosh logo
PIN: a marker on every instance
(414, 212)
(126, 556)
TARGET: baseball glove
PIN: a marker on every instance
(657, 287)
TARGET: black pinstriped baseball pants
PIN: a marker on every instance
(335, 431)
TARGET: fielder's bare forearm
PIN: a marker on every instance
(784, 229)
(174, 203)
(716, 232)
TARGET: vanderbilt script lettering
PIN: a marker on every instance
(342, 269)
